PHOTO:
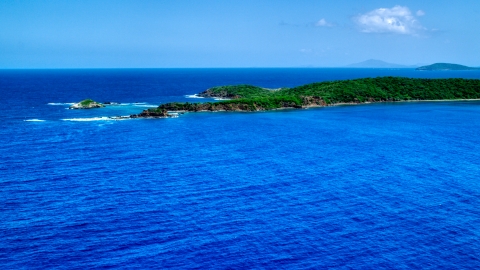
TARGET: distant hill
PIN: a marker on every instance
(446, 66)
(372, 63)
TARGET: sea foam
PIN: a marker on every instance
(193, 96)
(145, 105)
(103, 118)
(60, 104)
(34, 120)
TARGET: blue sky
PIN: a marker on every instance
(215, 33)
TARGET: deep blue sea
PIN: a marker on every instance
(391, 185)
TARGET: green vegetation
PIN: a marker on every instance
(236, 91)
(251, 98)
(446, 66)
(389, 89)
(86, 102)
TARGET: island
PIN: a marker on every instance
(87, 104)
(446, 66)
(373, 63)
(248, 98)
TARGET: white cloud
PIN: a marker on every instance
(420, 13)
(323, 23)
(398, 20)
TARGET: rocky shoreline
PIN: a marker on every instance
(306, 102)
(154, 114)
(171, 110)
(238, 106)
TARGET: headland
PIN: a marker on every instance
(248, 98)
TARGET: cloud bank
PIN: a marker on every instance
(397, 20)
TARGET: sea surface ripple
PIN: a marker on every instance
(392, 185)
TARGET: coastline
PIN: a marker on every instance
(312, 106)
(249, 98)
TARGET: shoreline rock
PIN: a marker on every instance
(87, 104)
(154, 114)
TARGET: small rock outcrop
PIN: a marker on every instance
(152, 114)
(87, 104)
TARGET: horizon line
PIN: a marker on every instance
(299, 67)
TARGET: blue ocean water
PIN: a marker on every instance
(391, 185)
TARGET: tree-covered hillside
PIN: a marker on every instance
(389, 89)
(236, 91)
(252, 98)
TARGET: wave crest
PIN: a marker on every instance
(60, 104)
(34, 120)
(103, 118)
(193, 96)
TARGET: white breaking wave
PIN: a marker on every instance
(193, 96)
(132, 103)
(146, 105)
(221, 99)
(104, 118)
(60, 104)
(34, 120)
